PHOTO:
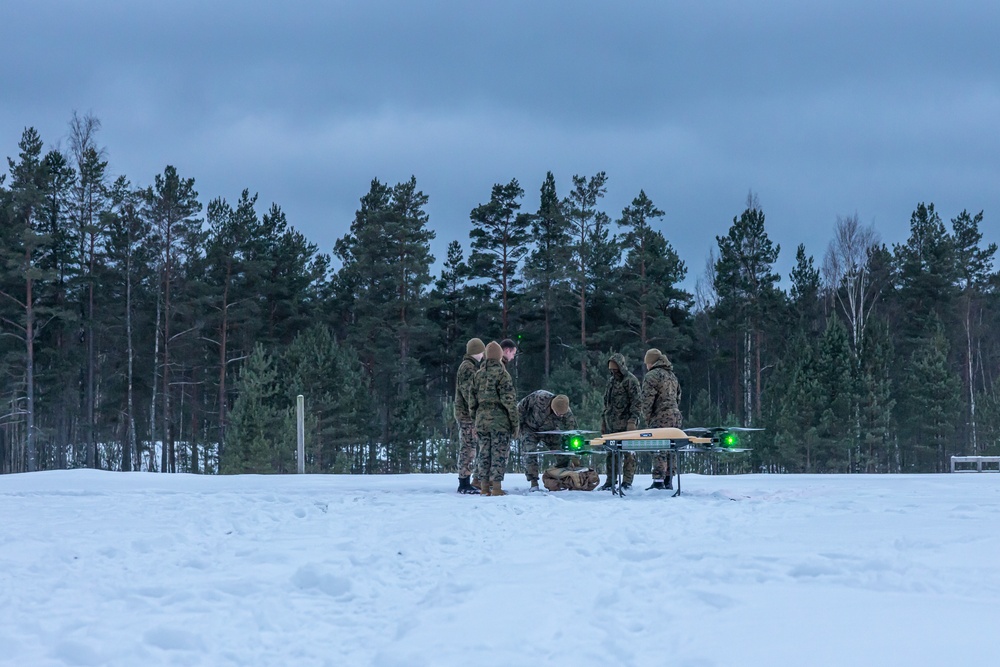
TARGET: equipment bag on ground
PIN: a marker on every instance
(570, 479)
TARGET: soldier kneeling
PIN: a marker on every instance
(571, 478)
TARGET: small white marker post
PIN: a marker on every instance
(301, 419)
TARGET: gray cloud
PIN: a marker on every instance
(822, 110)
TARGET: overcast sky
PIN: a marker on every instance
(822, 109)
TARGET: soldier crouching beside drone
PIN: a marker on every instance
(622, 409)
(661, 395)
(494, 408)
(543, 411)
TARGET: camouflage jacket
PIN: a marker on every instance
(463, 388)
(494, 403)
(536, 415)
(661, 394)
(622, 400)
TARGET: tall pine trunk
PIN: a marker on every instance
(29, 371)
(968, 372)
(154, 384)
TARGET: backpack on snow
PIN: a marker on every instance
(570, 479)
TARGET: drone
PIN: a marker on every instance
(724, 439)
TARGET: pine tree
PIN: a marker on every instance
(261, 435)
(57, 360)
(580, 208)
(931, 405)
(499, 243)
(836, 383)
(171, 207)
(797, 438)
(745, 282)
(926, 277)
(295, 277)
(805, 293)
(130, 275)
(875, 401)
(329, 376)
(974, 268)
(546, 269)
(22, 254)
(652, 274)
(376, 301)
(89, 204)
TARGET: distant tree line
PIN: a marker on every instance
(141, 330)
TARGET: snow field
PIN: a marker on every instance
(145, 569)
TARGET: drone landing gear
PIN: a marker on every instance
(615, 474)
(676, 460)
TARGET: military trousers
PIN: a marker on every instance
(494, 451)
(531, 443)
(628, 466)
(664, 464)
(466, 448)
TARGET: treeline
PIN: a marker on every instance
(141, 330)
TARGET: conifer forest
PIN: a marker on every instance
(145, 325)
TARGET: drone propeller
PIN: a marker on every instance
(571, 432)
(720, 429)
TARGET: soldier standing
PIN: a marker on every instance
(543, 411)
(661, 395)
(622, 409)
(494, 407)
(474, 350)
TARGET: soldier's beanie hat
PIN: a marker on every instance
(508, 344)
(494, 351)
(560, 404)
(652, 356)
(475, 346)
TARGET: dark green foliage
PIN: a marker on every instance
(546, 271)
(261, 434)
(875, 401)
(930, 405)
(651, 300)
(135, 335)
(748, 300)
(329, 374)
(804, 294)
(499, 242)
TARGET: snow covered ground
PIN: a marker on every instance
(144, 569)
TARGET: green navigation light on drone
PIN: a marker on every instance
(730, 440)
(576, 443)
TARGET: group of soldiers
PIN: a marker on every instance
(489, 417)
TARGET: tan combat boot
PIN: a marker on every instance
(484, 487)
(497, 489)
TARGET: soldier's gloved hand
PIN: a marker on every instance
(631, 426)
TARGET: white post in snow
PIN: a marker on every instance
(301, 419)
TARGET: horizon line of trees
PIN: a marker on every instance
(141, 330)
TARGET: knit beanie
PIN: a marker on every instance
(652, 356)
(474, 347)
(560, 404)
(494, 351)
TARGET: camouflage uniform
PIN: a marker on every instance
(494, 406)
(463, 415)
(536, 415)
(661, 394)
(622, 409)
